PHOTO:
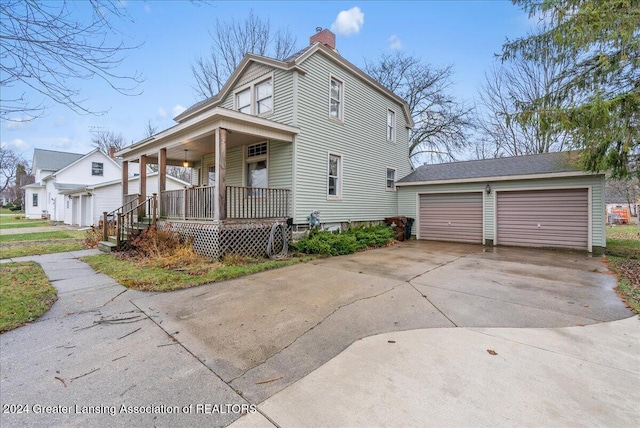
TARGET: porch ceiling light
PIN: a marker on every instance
(186, 162)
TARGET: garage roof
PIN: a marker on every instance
(511, 167)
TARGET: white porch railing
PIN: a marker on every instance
(197, 203)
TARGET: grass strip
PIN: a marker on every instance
(43, 236)
(39, 249)
(27, 224)
(25, 294)
(143, 277)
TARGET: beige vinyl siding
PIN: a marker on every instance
(360, 139)
(280, 165)
(235, 167)
(407, 199)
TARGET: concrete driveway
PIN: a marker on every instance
(323, 330)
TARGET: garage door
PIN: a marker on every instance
(544, 218)
(451, 217)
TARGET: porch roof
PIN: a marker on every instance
(195, 135)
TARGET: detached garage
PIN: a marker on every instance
(532, 201)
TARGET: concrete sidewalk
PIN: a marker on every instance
(462, 377)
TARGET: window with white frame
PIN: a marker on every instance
(336, 92)
(264, 97)
(34, 200)
(391, 125)
(97, 168)
(334, 176)
(391, 179)
(257, 166)
(243, 101)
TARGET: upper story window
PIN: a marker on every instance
(391, 125)
(264, 97)
(391, 179)
(243, 101)
(97, 168)
(256, 98)
(336, 95)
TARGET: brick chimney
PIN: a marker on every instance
(325, 37)
(112, 152)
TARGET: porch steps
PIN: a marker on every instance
(106, 246)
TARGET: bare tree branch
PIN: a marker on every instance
(105, 139)
(442, 123)
(48, 48)
(230, 42)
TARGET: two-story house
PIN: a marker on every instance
(76, 189)
(282, 139)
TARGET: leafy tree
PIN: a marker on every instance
(442, 123)
(601, 41)
(49, 47)
(231, 41)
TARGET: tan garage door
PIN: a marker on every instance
(544, 218)
(451, 217)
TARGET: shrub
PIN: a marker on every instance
(348, 242)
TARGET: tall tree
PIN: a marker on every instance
(601, 39)
(230, 42)
(104, 139)
(10, 163)
(442, 123)
(511, 89)
(48, 48)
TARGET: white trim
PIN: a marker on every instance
(395, 178)
(251, 86)
(340, 117)
(500, 178)
(393, 130)
(338, 195)
(55, 173)
(524, 189)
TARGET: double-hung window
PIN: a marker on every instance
(34, 200)
(256, 167)
(243, 101)
(391, 125)
(336, 95)
(391, 179)
(97, 168)
(334, 177)
(264, 97)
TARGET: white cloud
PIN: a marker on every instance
(162, 113)
(348, 21)
(61, 120)
(394, 42)
(15, 144)
(18, 123)
(177, 110)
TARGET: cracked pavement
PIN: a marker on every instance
(245, 340)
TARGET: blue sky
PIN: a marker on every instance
(465, 34)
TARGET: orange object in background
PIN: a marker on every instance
(624, 214)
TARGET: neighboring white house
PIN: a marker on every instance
(85, 206)
(56, 172)
(76, 189)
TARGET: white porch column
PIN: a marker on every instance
(220, 201)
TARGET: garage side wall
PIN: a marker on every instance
(407, 199)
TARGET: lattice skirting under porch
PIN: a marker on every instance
(246, 239)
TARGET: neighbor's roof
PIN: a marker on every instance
(511, 167)
(53, 160)
(68, 186)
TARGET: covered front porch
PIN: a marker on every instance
(241, 168)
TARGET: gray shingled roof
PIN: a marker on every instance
(547, 163)
(53, 160)
(68, 186)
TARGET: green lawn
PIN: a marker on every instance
(25, 294)
(154, 278)
(19, 224)
(43, 236)
(623, 256)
